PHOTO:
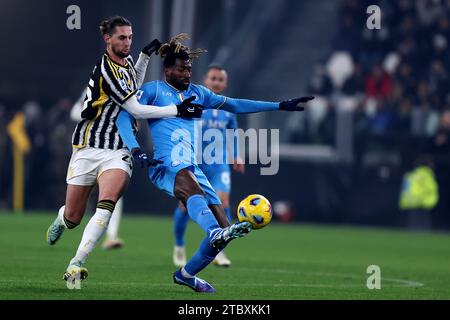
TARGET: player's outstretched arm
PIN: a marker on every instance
(125, 128)
(185, 109)
(144, 58)
(238, 163)
(251, 106)
(126, 97)
(295, 104)
(149, 112)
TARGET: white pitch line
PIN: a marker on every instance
(400, 282)
(242, 285)
(403, 283)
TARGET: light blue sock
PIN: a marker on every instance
(227, 212)
(181, 219)
(199, 212)
(204, 255)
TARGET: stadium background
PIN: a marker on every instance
(382, 97)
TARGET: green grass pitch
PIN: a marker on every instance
(277, 262)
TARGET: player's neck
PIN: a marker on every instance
(115, 57)
(173, 85)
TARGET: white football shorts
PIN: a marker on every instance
(87, 164)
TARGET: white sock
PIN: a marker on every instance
(113, 227)
(185, 274)
(61, 216)
(94, 230)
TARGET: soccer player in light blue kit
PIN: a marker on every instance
(218, 172)
(174, 145)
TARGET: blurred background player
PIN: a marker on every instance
(174, 145)
(112, 240)
(99, 155)
(218, 174)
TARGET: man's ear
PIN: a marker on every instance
(106, 38)
(166, 71)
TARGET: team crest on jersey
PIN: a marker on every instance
(125, 80)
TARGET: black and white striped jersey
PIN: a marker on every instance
(110, 86)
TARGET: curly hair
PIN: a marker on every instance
(174, 49)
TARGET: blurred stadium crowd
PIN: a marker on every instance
(394, 81)
(49, 129)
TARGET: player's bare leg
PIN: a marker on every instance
(69, 215)
(221, 259)
(220, 215)
(112, 183)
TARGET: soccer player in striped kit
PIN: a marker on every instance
(112, 240)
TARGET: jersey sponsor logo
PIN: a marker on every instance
(166, 93)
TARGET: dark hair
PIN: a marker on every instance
(108, 26)
(170, 57)
(215, 66)
(173, 50)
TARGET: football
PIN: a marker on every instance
(255, 209)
